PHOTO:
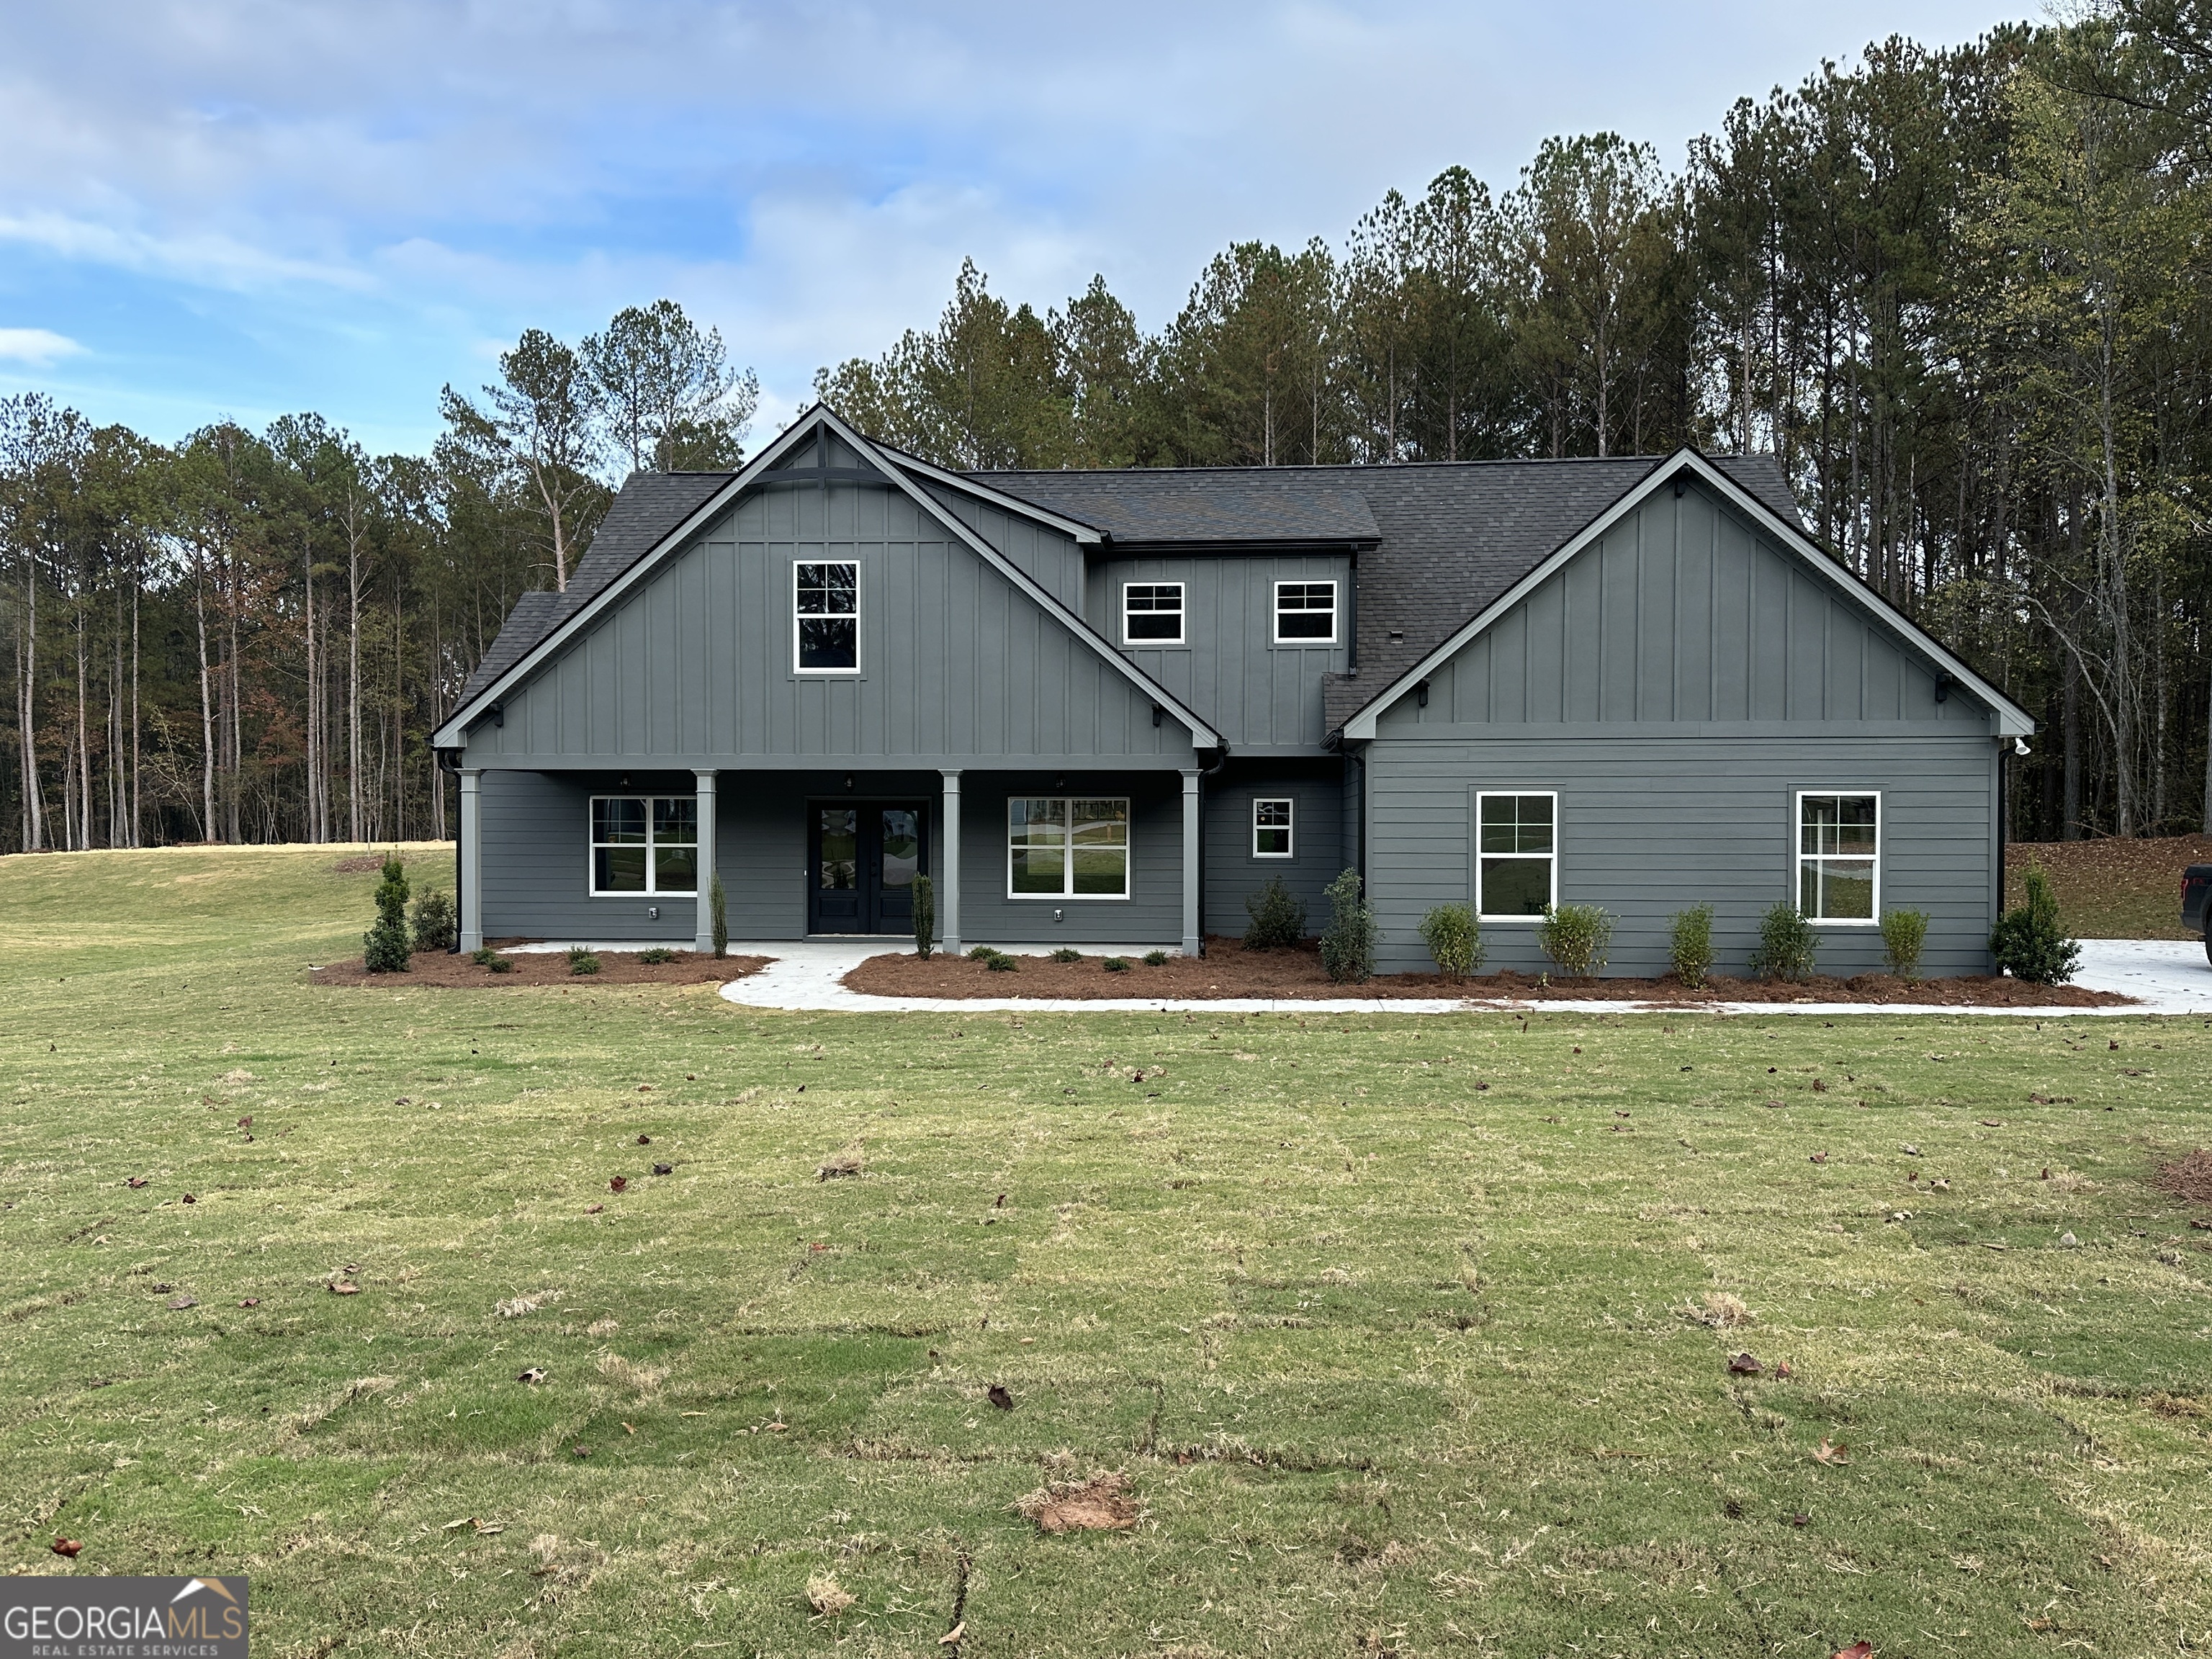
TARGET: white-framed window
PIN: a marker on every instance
(1516, 864)
(645, 844)
(1271, 826)
(1151, 613)
(1067, 847)
(825, 617)
(1305, 613)
(1840, 855)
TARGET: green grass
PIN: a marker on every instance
(1394, 1362)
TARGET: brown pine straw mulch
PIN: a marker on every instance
(442, 969)
(2189, 1179)
(1228, 971)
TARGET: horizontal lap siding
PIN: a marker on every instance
(1152, 914)
(1649, 826)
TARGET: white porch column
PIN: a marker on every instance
(704, 943)
(472, 860)
(948, 881)
(1192, 939)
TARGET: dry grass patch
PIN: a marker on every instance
(1102, 1503)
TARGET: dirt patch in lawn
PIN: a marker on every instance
(1228, 970)
(2189, 1179)
(1102, 1503)
(440, 967)
(2111, 888)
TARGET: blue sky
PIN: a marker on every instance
(241, 208)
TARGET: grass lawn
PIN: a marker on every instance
(2110, 888)
(1381, 1317)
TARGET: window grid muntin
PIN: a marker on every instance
(1151, 601)
(1057, 838)
(1274, 827)
(818, 592)
(1300, 601)
(1520, 837)
(659, 829)
(1836, 837)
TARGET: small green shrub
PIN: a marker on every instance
(1690, 946)
(1454, 937)
(1786, 944)
(925, 917)
(982, 952)
(718, 916)
(1155, 959)
(437, 923)
(386, 946)
(999, 962)
(1115, 964)
(658, 954)
(484, 957)
(1902, 934)
(581, 961)
(500, 964)
(1279, 917)
(2030, 943)
(1064, 954)
(1347, 944)
(1576, 936)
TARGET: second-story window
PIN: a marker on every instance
(1151, 613)
(1305, 613)
(826, 617)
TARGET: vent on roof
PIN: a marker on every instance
(1397, 636)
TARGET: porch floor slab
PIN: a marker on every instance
(2165, 976)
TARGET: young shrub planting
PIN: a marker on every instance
(499, 964)
(1574, 936)
(437, 923)
(718, 917)
(1690, 946)
(1347, 944)
(925, 917)
(1115, 964)
(999, 962)
(656, 956)
(1064, 954)
(1786, 944)
(1279, 917)
(2031, 943)
(1902, 934)
(385, 947)
(581, 961)
(1155, 959)
(1455, 939)
(982, 952)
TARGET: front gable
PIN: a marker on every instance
(690, 660)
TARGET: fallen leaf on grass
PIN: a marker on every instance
(997, 1394)
(2048, 1624)
(179, 1304)
(340, 1287)
(582, 1451)
(664, 1169)
(620, 1183)
(535, 1374)
(1910, 1150)
(1856, 1650)
(1102, 1503)
(645, 1140)
(593, 1209)
(1828, 1452)
(135, 1183)
(68, 1546)
(1820, 1158)
(1744, 1365)
(827, 1596)
(465, 1521)
(952, 1637)
(189, 1198)
(1942, 1186)
(488, 1527)
(1993, 1123)
(249, 1301)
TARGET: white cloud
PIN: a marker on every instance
(37, 347)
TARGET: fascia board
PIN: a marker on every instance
(2011, 719)
(1202, 736)
(454, 733)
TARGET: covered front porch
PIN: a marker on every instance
(1015, 856)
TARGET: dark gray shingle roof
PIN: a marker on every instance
(1164, 506)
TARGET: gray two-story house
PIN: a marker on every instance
(1103, 708)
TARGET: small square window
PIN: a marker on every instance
(1271, 827)
(1305, 613)
(1151, 613)
(645, 844)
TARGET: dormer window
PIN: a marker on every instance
(1151, 613)
(1305, 613)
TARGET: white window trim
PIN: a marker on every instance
(1181, 616)
(592, 843)
(859, 598)
(1335, 610)
(1290, 830)
(1798, 855)
(1482, 795)
(1068, 870)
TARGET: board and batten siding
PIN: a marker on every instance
(1261, 697)
(694, 666)
(1677, 682)
(1315, 790)
(1047, 556)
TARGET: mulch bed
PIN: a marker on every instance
(1228, 971)
(439, 967)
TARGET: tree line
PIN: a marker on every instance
(1960, 294)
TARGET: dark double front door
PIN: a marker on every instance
(862, 859)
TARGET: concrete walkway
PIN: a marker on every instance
(2165, 976)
